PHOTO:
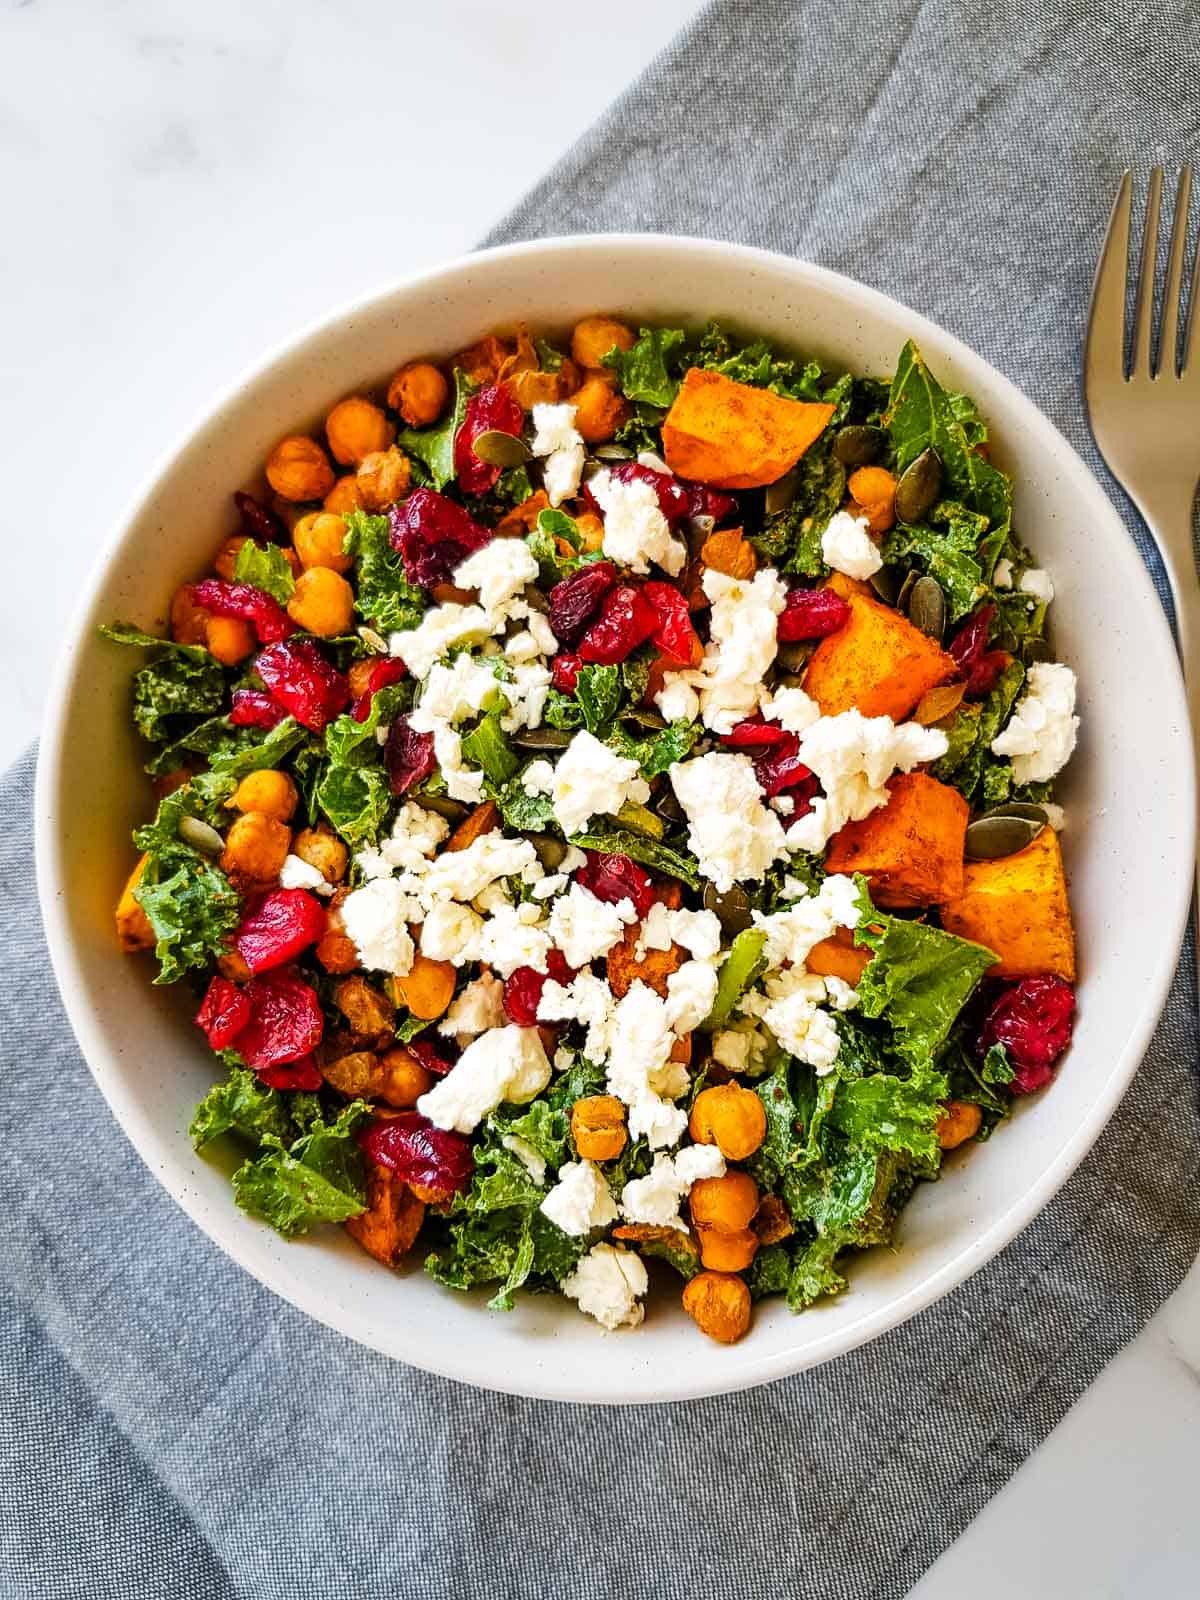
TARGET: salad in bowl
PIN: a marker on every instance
(605, 811)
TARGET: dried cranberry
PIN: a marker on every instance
(492, 410)
(286, 1020)
(575, 601)
(429, 1057)
(523, 988)
(811, 614)
(223, 1014)
(673, 498)
(301, 679)
(284, 923)
(253, 709)
(756, 733)
(780, 769)
(564, 674)
(382, 675)
(706, 502)
(267, 617)
(626, 620)
(434, 536)
(408, 756)
(978, 665)
(674, 634)
(257, 521)
(435, 1160)
(302, 1074)
(615, 877)
(1033, 1020)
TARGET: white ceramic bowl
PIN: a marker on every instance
(1129, 797)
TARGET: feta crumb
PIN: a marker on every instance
(546, 888)
(847, 547)
(691, 991)
(438, 629)
(699, 932)
(506, 1063)
(580, 1201)
(499, 571)
(554, 429)
(514, 936)
(591, 780)
(841, 996)
(677, 701)
(791, 933)
(562, 472)
(792, 709)
(477, 1009)
(741, 645)
(530, 1159)
(465, 874)
(732, 834)
(731, 1048)
(450, 932)
(451, 692)
(1002, 576)
(607, 1283)
(416, 834)
(538, 778)
(585, 928)
(1040, 735)
(640, 1071)
(1037, 583)
(635, 531)
(299, 874)
(375, 918)
(1055, 815)
(655, 1199)
(804, 1030)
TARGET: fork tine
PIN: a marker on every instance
(1168, 346)
(1141, 356)
(1105, 350)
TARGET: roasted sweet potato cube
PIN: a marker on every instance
(911, 850)
(735, 436)
(1017, 906)
(841, 583)
(876, 663)
(839, 957)
(654, 968)
(388, 1228)
(483, 819)
(370, 1014)
(133, 925)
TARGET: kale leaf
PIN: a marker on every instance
(181, 680)
(650, 852)
(244, 1106)
(642, 371)
(487, 748)
(598, 690)
(320, 1177)
(384, 596)
(434, 447)
(265, 567)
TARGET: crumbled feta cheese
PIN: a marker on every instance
(562, 472)
(465, 874)
(732, 834)
(647, 458)
(1040, 734)
(731, 1047)
(450, 932)
(530, 1159)
(691, 991)
(538, 778)
(514, 936)
(804, 1030)
(741, 645)
(791, 933)
(586, 999)
(526, 693)
(554, 429)
(847, 547)
(635, 531)
(1037, 583)
(521, 646)
(655, 1199)
(841, 996)
(462, 783)
(376, 918)
(544, 635)
(580, 1201)
(782, 804)
(499, 571)
(503, 1064)
(607, 1283)
(590, 780)
(450, 693)
(1003, 575)
(640, 1070)
(416, 834)
(699, 932)
(677, 701)
(298, 874)
(792, 709)
(477, 1009)
(585, 928)
(439, 629)
(546, 888)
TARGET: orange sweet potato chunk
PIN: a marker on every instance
(910, 850)
(839, 957)
(876, 663)
(388, 1228)
(735, 436)
(1017, 906)
(841, 583)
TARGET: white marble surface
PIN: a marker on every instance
(183, 186)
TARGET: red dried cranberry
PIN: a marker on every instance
(223, 1014)
(408, 756)
(257, 521)
(523, 988)
(284, 923)
(673, 498)
(755, 733)
(286, 1020)
(626, 620)
(302, 1074)
(978, 665)
(267, 617)
(615, 877)
(429, 1057)
(781, 770)
(674, 634)
(1033, 1020)
(301, 679)
(435, 1160)
(434, 536)
(706, 502)
(811, 614)
(564, 674)
(492, 410)
(253, 709)
(575, 600)
(382, 675)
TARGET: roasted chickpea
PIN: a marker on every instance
(383, 478)
(133, 925)
(591, 530)
(599, 411)
(728, 1202)
(719, 1305)
(229, 639)
(533, 388)
(404, 1079)
(355, 428)
(772, 1221)
(273, 793)
(320, 540)
(594, 337)
(727, 1249)
(355, 1074)
(189, 622)
(368, 1011)
(345, 496)
(598, 1127)
(730, 1117)
(322, 603)
(298, 469)
(225, 560)
(959, 1122)
(873, 489)
(359, 675)
(320, 847)
(256, 847)
(419, 393)
(482, 362)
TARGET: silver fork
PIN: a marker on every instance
(1145, 411)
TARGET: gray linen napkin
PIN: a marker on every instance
(168, 1428)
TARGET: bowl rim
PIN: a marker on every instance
(301, 1291)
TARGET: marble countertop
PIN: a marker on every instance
(185, 186)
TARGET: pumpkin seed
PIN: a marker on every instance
(733, 908)
(375, 642)
(939, 703)
(541, 739)
(793, 657)
(992, 837)
(919, 486)
(910, 578)
(927, 607)
(780, 494)
(699, 529)
(668, 806)
(612, 452)
(885, 585)
(644, 717)
(1035, 650)
(498, 449)
(1019, 808)
(550, 851)
(452, 810)
(859, 445)
(200, 836)
(535, 599)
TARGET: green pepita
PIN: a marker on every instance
(927, 607)
(858, 445)
(919, 486)
(498, 449)
(780, 494)
(994, 836)
(733, 908)
(543, 738)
